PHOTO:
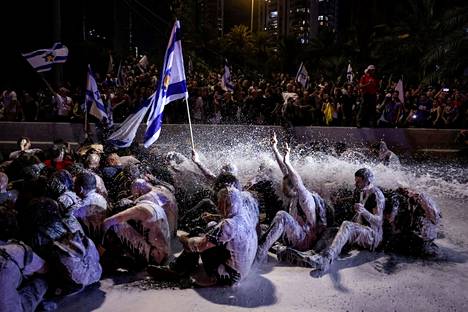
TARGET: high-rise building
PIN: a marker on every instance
(328, 14)
(301, 19)
(211, 15)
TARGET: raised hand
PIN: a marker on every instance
(195, 157)
(274, 140)
(287, 152)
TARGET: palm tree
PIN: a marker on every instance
(238, 44)
(425, 44)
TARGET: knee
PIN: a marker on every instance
(281, 216)
(346, 225)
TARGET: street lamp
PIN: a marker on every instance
(251, 16)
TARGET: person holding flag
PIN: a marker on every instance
(349, 74)
(95, 106)
(302, 76)
(171, 86)
(226, 83)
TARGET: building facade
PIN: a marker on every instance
(301, 19)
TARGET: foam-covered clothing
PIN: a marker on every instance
(164, 198)
(150, 237)
(237, 233)
(91, 215)
(20, 291)
(69, 202)
(366, 230)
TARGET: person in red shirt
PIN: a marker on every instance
(369, 86)
(56, 159)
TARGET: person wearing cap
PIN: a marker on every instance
(369, 86)
(366, 228)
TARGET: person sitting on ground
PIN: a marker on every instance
(160, 195)
(21, 289)
(306, 219)
(227, 250)
(207, 206)
(365, 229)
(144, 229)
(7, 197)
(412, 224)
(60, 188)
(92, 163)
(263, 188)
(61, 241)
(93, 209)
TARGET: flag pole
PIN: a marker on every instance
(86, 108)
(190, 123)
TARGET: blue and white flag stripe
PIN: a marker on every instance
(171, 86)
(226, 83)
(125, 134)
(42, 60)
(302, 76)
(94, 103)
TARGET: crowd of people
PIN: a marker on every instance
(276, 100)
(68, 217)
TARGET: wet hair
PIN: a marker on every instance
(225, 179)
(31, 172)
(86, 180)
(230, 196)
(59, 183)
(365, 174)
(132, 171)
(141, 186)
(229, 168)
(93, 160)
(8, 223)
(75, 169)
(176, 157)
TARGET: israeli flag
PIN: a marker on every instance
(226, 83)
(42, 60)
(302, 76)
(125, 134)
(94, 104)
(172, 86)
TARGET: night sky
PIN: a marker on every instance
(28, 25)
